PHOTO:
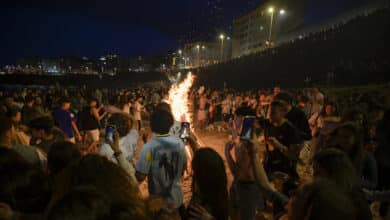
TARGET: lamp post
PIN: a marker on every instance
(198, 54)
(204, 55)
(271, 10)
(222, 37)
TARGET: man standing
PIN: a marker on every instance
(284, 142)
(28, 111)
(90, 120)
(227, 105)
(246, 196)
(202, 112)
(162, 160)
(236, 103)
(138, 108)
(317, 100)
(296, 116)
(66, 121)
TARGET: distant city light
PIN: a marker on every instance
(271, 10)
(282, 11)
(221, 36)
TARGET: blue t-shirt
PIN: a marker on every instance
(64, 121)
(163, 159)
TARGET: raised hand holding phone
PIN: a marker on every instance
(247, 129)
(110, 132)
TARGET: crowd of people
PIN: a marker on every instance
(294, 132)
(82, 153)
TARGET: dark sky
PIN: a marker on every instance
(126, 27)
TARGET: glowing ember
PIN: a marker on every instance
(178, 98)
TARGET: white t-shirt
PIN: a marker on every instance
(127, 144)
(162, 159)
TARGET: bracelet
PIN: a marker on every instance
(117, 154)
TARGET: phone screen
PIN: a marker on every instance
(247, 128)
(110, 131)
(185, 130)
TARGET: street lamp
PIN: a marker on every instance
(222, 37)
(198, 50)
(271, 10)
(180, 52)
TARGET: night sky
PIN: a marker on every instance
(125, 27)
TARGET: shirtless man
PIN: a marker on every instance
(246, 196)
(227, 105)
(202, 112)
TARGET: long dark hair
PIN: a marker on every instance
(356, 154)
(351, 115)
(107, 177)
(23, 187)
(337, 167)
(211, 180)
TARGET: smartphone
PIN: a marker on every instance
(247, 128)
(185, 130)
(110, 132)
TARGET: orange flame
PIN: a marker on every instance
(178, 99)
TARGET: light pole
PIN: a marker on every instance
(198, 57)
(222, 37)
(204, 55)
(271, 10)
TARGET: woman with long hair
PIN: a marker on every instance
(336, 165)
(348, 138)
(210, 196)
